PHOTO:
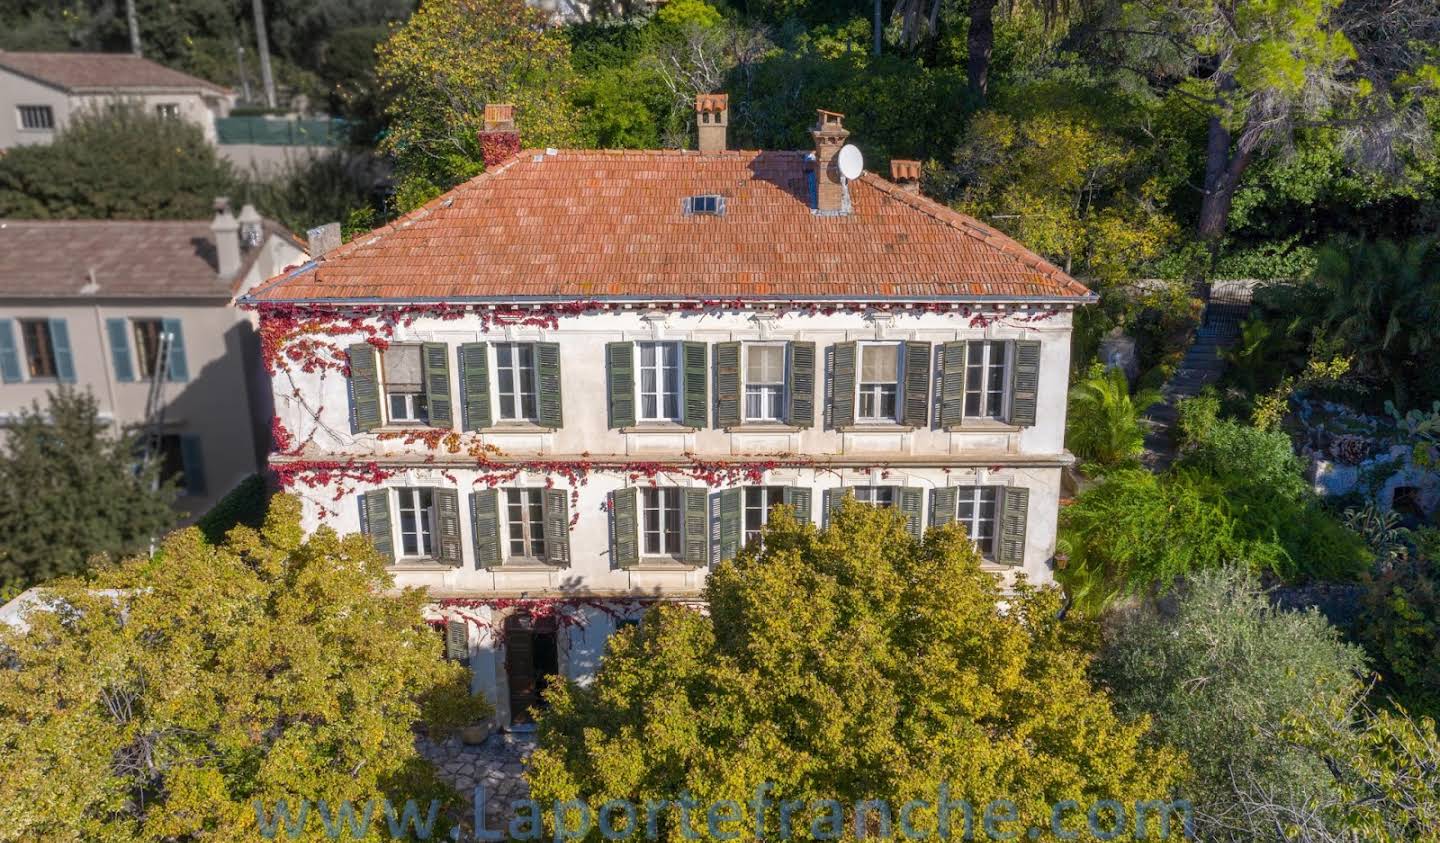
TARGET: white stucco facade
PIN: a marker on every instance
(316, 407)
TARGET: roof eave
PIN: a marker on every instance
(249, 300)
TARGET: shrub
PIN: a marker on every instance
(1198, 415)
(1400, 626)
(1104, 423)
(1241, 456)
(1223, 675)
(245, 504)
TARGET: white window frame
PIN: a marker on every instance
(870, 496)
(860, 388)
(660, 368)
(518, 396)
(770, 496)
(411, 401)
(419, 502)
(773, 390)
(169, 110)
(988, 371)
(530, 529)
(657, 505)
(20, 111)
(975, 497)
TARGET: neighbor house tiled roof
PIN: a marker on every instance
(89, 72)
(123, 258)
(611, 224)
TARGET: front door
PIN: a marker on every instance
(532, 659)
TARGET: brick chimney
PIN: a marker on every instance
(829, 136)
(906, 174)
(499, 140)
(712, 115)
(227, 240)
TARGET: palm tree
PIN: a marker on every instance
(1384, 305)
(1105, 425)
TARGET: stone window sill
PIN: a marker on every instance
(431, 565)
(406, 427)
(879, 427)
(515, 427)
(984, 426)
(657, 427)
(658, 563)
(524, 566)
(764, 427)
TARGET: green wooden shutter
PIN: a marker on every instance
(557, 526)
(375, 521)
(457, 640)
(952, 383)
(118, 332)
(447, 526)
(800, 383)
(192, 461)
(9, 353)
(364, 387)
(475, 385)
(916, 412)
(485, 525)
(727, 384)
(179, 370)
(1014, 511)
(625, 526)
(842, 386)
(798, 498)
(1024, 382)
(730, 523)
(695, 537)
(549, 406)
(60, 343)
(620, 360)
(833, 497)
(438, 399)
(694, 357)
(942, 506)
(912, 505)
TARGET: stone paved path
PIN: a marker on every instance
(1203, 364)
(497, 764)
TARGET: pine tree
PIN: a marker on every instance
(70, 489)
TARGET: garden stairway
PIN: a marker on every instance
(1203, 364)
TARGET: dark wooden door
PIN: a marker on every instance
(520, 670)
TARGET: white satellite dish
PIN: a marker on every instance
(850, 161)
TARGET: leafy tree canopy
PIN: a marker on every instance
(157, 700)
(1224, 676)
(115, 163)
(850, 663)
(69, 490)
(448, 61)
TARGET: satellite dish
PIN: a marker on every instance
(851, 162)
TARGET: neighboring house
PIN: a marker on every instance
(567, 388)
(91, 303)
(41, 92)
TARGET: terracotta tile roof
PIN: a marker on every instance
(610, 224)
(55, 259)
(81, 72)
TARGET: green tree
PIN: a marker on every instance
(1256, 69)
(1400, 625)
(443, 65)
(1104, 422)
(1225, 676)
(1384, 306)
(158, 700)
(69, 490)
(115, 163)
(851, 663)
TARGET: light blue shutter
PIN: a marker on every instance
(9, 353)
(60, 343)
(178, 371)
(118, 330)
(192, 458)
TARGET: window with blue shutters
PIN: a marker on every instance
(117, 334)
(178, 370)
(9, 353)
